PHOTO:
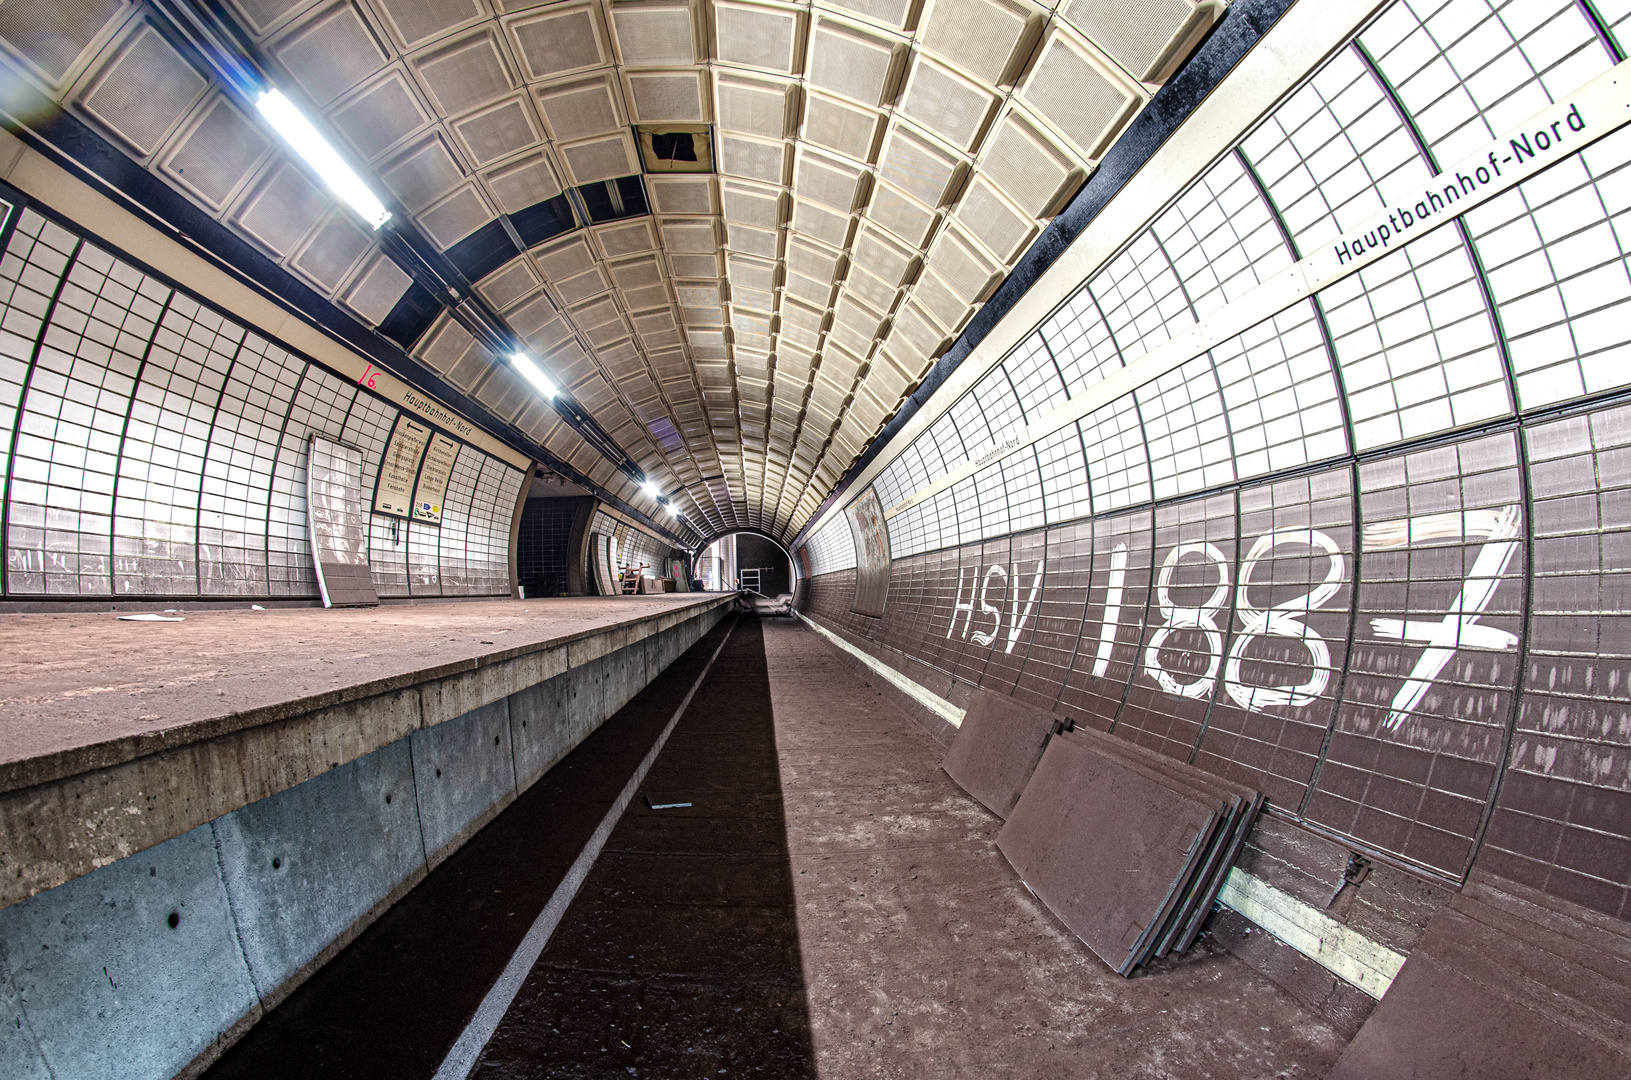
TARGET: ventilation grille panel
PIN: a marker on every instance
(559, 42)
(649, 297)
(746, 273)
(883, 257)
(456, 217)
(809, 289)
(916, 166)
(947, 104)
(533, 315)
(580, 109)
(598, 313)
(938, 299)
(838, 126)
(1028, 167)
(758, 299)
(331, 54)
(677, 195)
(851, 63)
(564, 260)
(1077, 96)
(963, 267)
(508, 284)
(524, 183)
(694, 266)
(757, 108)
(821, 223)
(756, 159)
(376, 292)
(978, 35)
(688, 237)
(901, 215)
(145, 92)
(465, 75)
(754, 36)
(619, 240)
(380, 116)
(282, 209)
(667, 96)
(638, 273)
(332, 251)
(418, 20)
(761, 242)
(52, 34)
(875, 291)
(1134, 35)
(827, 181)
(498, 132)
(812, 260)
(218, 154)
(990, 219)
(654, 33)
(749, 205)
(421, 176)
(600, 159)
(575, 290)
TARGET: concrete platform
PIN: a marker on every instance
(118, 735)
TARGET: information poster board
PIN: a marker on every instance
(394, 493)
(433, 478)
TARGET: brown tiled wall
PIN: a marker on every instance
(1526, 776)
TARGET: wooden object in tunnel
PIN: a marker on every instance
(996, 749)
(1104, 846)
(1506, 981)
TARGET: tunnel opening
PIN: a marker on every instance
(746, 560)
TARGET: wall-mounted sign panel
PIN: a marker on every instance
(400, 467)
(433, 477)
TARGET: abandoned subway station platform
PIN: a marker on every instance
(815, 538)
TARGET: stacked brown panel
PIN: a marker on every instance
(1128, 848)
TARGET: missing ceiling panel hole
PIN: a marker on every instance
(676, 148)
(612, 200)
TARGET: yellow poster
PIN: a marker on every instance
(401, 464)
(432, 489)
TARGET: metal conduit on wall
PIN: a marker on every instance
(1368, 555)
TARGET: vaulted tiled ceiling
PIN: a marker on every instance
(866, 172)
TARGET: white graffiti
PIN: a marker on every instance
(1203, 618)
(966, 612)
(1459, 628)
(1112, 610)
(1284, 620)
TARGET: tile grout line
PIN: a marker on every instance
(461, 1059)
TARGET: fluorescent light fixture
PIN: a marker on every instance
(297, 131)
(533, 374)
(651, 489)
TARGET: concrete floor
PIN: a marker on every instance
(925, 956)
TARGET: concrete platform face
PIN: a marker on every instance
(305, 866)
(134, 972)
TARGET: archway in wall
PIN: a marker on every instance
(744, 555)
